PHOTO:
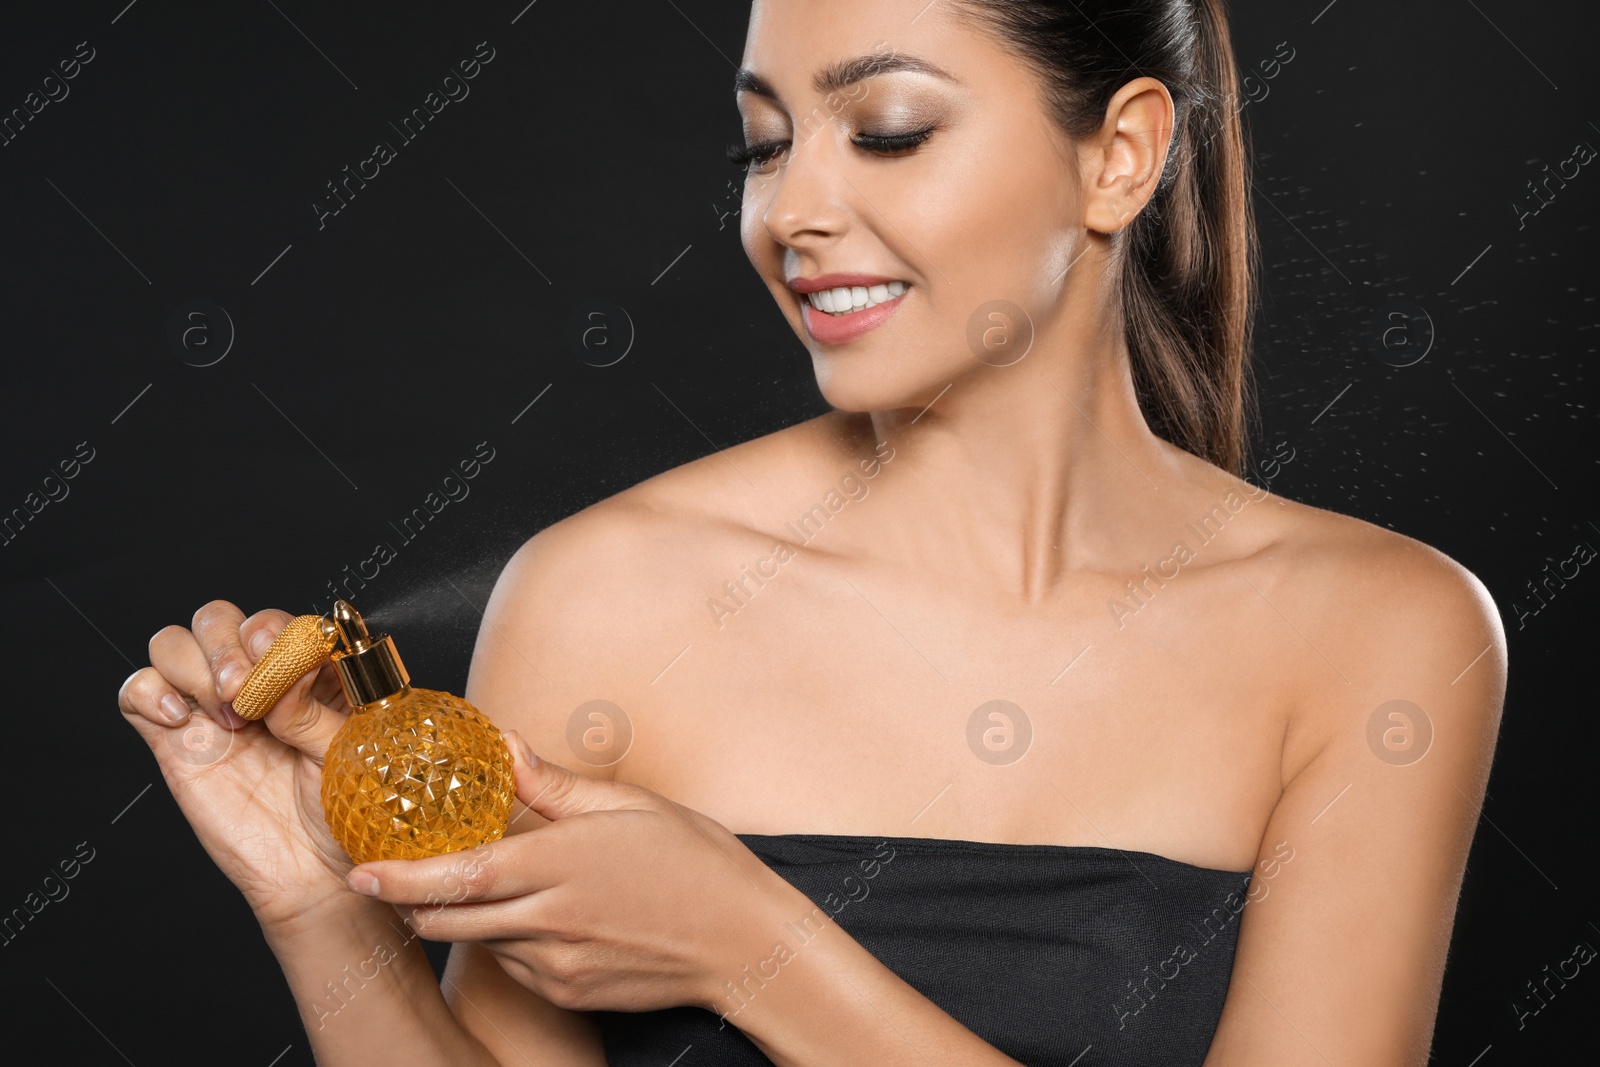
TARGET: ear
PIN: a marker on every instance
(1122, 162)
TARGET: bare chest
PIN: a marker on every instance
(855, 707)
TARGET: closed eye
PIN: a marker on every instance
(760, 153)
(887, 143)
(742, 156)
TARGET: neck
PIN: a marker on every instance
(1017, 475)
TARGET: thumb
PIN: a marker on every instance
(556, 792)
(298, 719)
(301, 720)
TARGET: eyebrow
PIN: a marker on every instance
(846, 72)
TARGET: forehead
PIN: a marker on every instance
(804, 47)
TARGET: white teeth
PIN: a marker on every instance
(844, 300)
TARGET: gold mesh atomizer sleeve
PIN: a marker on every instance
(303, 644)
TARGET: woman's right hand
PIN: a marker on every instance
(250, 790)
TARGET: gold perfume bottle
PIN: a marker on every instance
(412, 772)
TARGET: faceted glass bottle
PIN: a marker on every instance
(412, 772)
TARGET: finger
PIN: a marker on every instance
(328, 689)
(556, 792)
(256, 632)
(147, 694)
(299, 718)
(176, 653)
(553, 791)
(152, 706)
(498, 870)
(216, 628)
(521, 920)
(476, 875)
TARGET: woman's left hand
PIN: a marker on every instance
(625, 901)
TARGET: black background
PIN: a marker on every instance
(371, 355)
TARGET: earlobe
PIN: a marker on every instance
(1132, 147)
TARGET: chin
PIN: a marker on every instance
(862, 382)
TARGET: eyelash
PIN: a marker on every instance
(742, 156)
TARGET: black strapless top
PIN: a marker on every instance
(1058, 956)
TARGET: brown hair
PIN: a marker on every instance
(1188, 276)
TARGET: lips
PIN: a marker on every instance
(838, 329)
(833, 281)
(871, 299)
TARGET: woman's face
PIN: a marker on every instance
(972, 200)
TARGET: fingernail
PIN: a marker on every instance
(174, 709)
(259, 643)
(520, 749)
(230, 678)
(364, 882)
(229, 717)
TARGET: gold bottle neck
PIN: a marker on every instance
(382, 703)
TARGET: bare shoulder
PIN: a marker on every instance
(1374, 582)
(597, 604)
(1371, 574)
(638, 546)
(1381, 617)
(1352, 580)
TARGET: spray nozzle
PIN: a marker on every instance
(350, 626)
(369, 667)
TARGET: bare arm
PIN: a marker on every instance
(514, 1023)
(1342, 944)
(363, 984)
(835, 1003)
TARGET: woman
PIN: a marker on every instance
(989, 718)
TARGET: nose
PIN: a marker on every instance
(807, 194)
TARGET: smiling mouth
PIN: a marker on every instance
(847, 300)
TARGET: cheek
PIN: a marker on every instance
(998, 225)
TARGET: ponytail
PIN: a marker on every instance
(1188, 275)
